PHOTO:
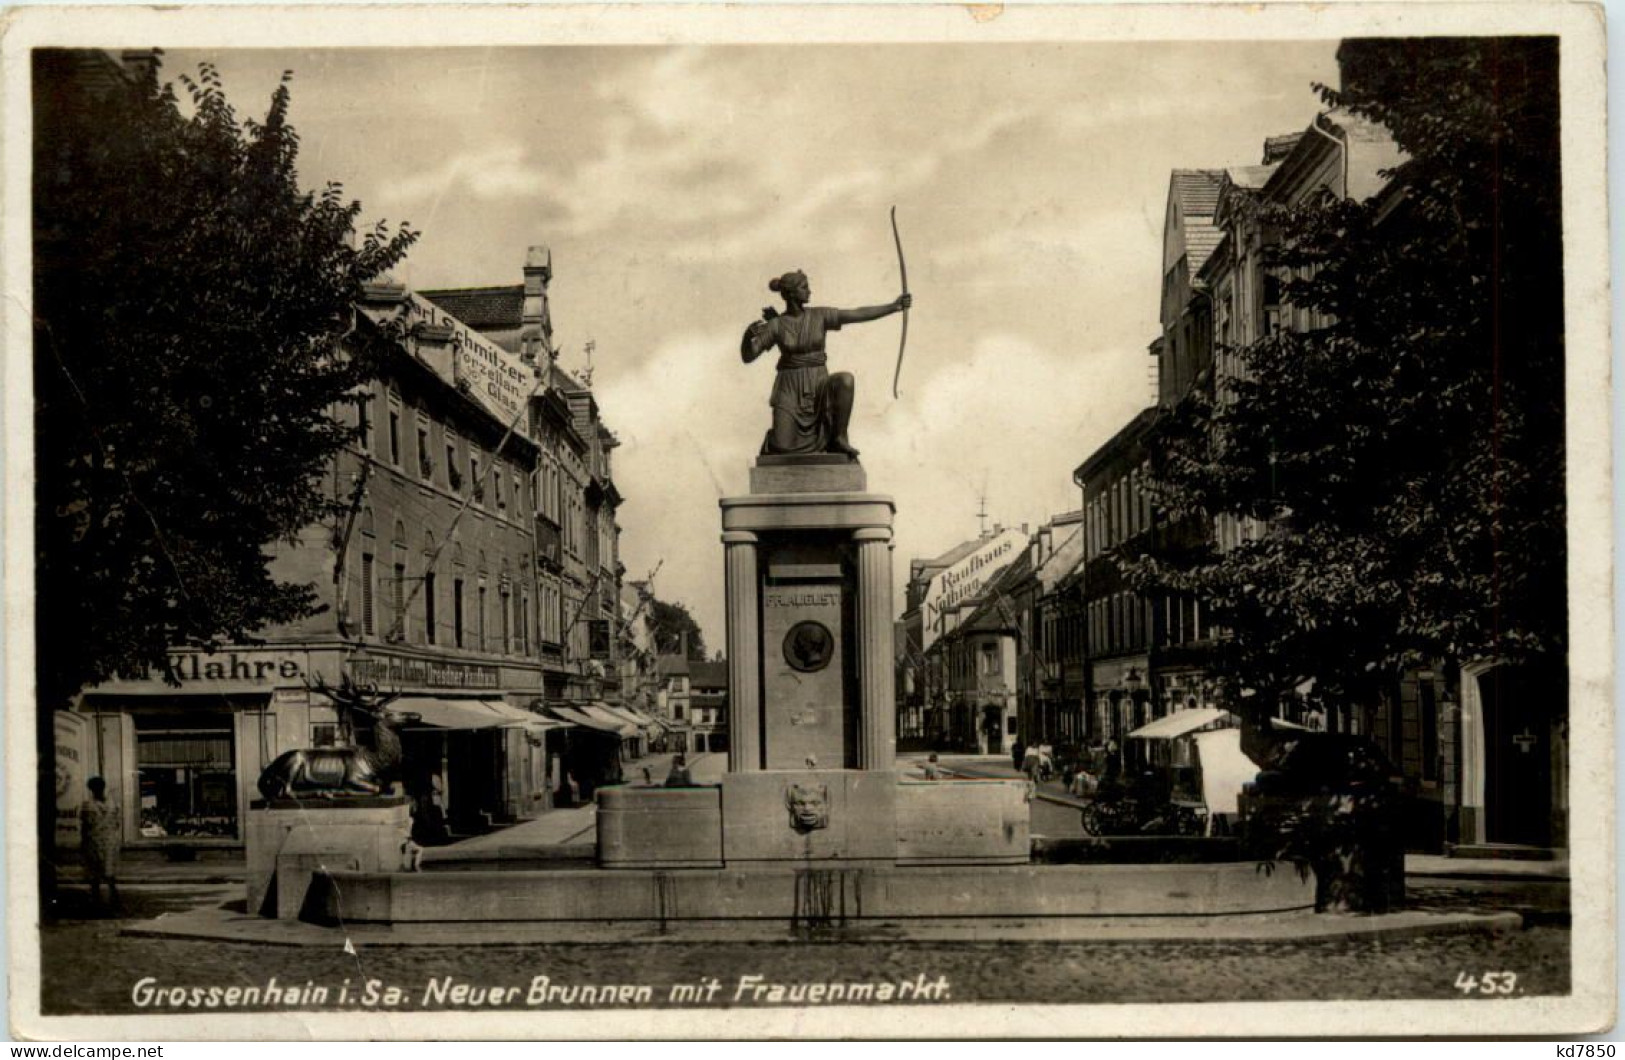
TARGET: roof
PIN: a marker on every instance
(1126, 436)
(1197, 190)
(708, 675)
(1278, 147)
(483, 308)
(1063, 561)
(668, 665)
(1250, 178)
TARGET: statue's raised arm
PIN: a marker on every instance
(811, 406)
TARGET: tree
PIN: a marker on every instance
(190, 300)
(669, 622)
(1408, 457)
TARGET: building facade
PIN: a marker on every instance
(478, 507)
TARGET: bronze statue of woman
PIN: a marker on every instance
(811, 407)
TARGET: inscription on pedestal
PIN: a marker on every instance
(803, 673)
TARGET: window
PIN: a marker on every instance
(454, 477)
(1430, 730)
(524, 623)
(480, 602)
(457, 612)
(366, 594)
(989, 660)
(425, 461)
(399, 592)
(395, 436)
(496, 482)
(518, 495)
(428, 607)
(476, 483)
(324, 726)
(363, 416)
(507, 620)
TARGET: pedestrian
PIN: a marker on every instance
(932, 770)
(99, 826)
(1032, 764)
(679, 776)
(1018, 753)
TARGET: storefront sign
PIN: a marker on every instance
(246, 670)
(422, 673)
(966, 579)
(72, 770)
(491, 375)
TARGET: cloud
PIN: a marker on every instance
(497, 172)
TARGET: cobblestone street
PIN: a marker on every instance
(1419, 967)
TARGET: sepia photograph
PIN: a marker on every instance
(796, 522)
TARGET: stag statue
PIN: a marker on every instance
(337, 772)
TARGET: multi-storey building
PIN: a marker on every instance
(708, 705)
(1053, 686)
(949, 705)
(428, 587)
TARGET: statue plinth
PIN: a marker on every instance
(812, 473)
(290, 840)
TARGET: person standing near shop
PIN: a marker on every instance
(99, 842)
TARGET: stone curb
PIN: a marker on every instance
(220, 925)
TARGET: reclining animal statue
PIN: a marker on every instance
(341, 772)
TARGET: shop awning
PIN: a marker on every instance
(577, 716)
(1182, 723)
(626, 714)
(608, 716)
(465, 713)
(528, 719)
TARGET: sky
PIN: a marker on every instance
(671, 183)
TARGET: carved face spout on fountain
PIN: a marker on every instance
(809, 807)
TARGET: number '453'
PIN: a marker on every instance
(1488, 983)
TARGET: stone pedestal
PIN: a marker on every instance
(812, 781)
(809, 605)
(290, 839)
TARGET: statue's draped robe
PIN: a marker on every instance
(801, 388)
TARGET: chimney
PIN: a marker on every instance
(139, 62)
(536, 324)
(682, 644)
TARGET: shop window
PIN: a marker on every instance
(188, 783)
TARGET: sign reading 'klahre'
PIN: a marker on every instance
(966, 578)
